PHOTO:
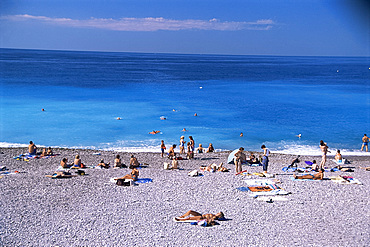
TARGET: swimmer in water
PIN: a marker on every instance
(154, 132)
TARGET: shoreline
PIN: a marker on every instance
(91, 211)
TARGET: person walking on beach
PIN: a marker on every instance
(32, 148)
(265, 158)
(365, 142)
(163, 147)
(324, 150)
(239, 159)
(182, 145)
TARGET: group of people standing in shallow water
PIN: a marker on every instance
(190, 148)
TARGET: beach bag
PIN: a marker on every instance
(122, 182)
(166, 166)
(193, 173)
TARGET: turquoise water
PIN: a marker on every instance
(269, 99)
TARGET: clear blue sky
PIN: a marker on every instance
(245, 27)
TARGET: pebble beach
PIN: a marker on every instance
(90, 210)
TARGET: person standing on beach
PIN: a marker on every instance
(163, 147)
(192, 143)
(324, 150)
(239, 159)
(365, 143)
(182, 145)
(265, 158)
(32, 148)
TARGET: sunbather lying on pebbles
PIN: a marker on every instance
(133, 175)
(103, 165)
(317, 176)
(365, 168)
(214, 167)
(192, 215)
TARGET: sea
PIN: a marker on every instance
(112, 100)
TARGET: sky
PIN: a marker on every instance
(236, 27)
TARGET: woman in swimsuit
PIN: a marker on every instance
(192, 215)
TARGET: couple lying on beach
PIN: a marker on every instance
(318, 176)
(195, 216)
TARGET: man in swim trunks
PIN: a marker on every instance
(365, 142)
(32, 148)
(134, 162)
(317, 176)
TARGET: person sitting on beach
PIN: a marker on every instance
(49, 152)
(63, 163)
(315, 167)
(338, 156)
(44, 152)
(252, 159)
(210, 148)
(171, 152)
(77, 161)
(294, 162)
(239, 158)
(133, 175)
(317, 176)
(192, 215)
(32, 148)
(200, 149)
(190, 153)
(134, 162)
(117, 162)
(103, 165)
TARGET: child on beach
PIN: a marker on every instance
(44, 152)
(163, 147)
(49, 152)
(190, 154)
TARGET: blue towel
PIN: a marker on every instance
(144, 180)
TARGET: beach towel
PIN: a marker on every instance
(143, 180)
(269, 193)
(259, 188)
(345, 180)
(258, 182)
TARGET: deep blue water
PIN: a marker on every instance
(270, 99)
